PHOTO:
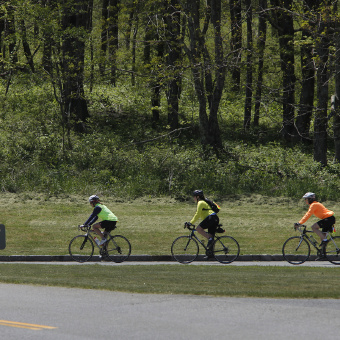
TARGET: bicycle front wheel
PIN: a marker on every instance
(184, 249)
(333, 250)
(117, 248)
(296, 250)
(81, 248)
(226, 249)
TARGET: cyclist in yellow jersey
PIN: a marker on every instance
(327, 218)
(209, 218)
(109, 219)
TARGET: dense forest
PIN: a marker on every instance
(159, 97)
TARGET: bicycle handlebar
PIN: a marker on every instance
(302, 228)
(189, 226)
(84, 227)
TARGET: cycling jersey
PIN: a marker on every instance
(102, 212)
(317, 209)
(202, 212)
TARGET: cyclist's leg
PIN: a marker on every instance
(209, 223)
(96, 228)
(326, 226)
(202, 232)
(213, 223)
(317, 231)
(106, 225)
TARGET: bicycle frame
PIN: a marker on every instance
(304, 235)
(90, 231)
(193, 235)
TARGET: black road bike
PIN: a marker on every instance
(185, 249)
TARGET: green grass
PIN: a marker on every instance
(273, 282)
(40, 225)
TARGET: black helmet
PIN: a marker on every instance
(198, 193)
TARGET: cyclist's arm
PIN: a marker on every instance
(308, 214)
(94, 216)
(198, 213)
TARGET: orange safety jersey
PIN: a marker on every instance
(318, 210)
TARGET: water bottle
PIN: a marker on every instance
(313, 240)
(97, 241)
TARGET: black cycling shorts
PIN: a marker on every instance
(327, 223)
(211, 222)
(108, 225)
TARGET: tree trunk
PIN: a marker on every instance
(285, 26)
(173, 35)
(320, 122)
(10, 34)
(2, 33)
(336, 97)
(306, 106)
(220, 71)
(236, 42)
(208, 91)
(113, 39)
(249, 80)
(261, 44)
(26, 46)
(75, 18)
(104, 36)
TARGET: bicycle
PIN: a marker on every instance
(296, 249)
(185, 249)
(117, 248)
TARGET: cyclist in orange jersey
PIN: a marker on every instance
(327, 218)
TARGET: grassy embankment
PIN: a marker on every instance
(37, 225)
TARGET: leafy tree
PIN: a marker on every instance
(208, 89)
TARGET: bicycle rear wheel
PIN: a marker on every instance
(226, 249)
(333, 250)
(296, 250)
(117, 248)
(81, 248)
(184, 249)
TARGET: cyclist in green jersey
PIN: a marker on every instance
(109, 219)
(209, 218)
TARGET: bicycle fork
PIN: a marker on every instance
(84, 242)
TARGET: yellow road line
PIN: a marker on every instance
(24, 325)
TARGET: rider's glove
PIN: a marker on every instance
(82, 227)
(296, 225)
(187, 224)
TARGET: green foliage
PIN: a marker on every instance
(123, 155)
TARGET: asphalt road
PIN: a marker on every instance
(35, 312)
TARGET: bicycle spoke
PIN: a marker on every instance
(226, 249)
(333, 250)
(81, 248)
(296, 250)
(184, 249)
(117, 248)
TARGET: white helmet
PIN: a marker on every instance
(93, 198)
(309, 195)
